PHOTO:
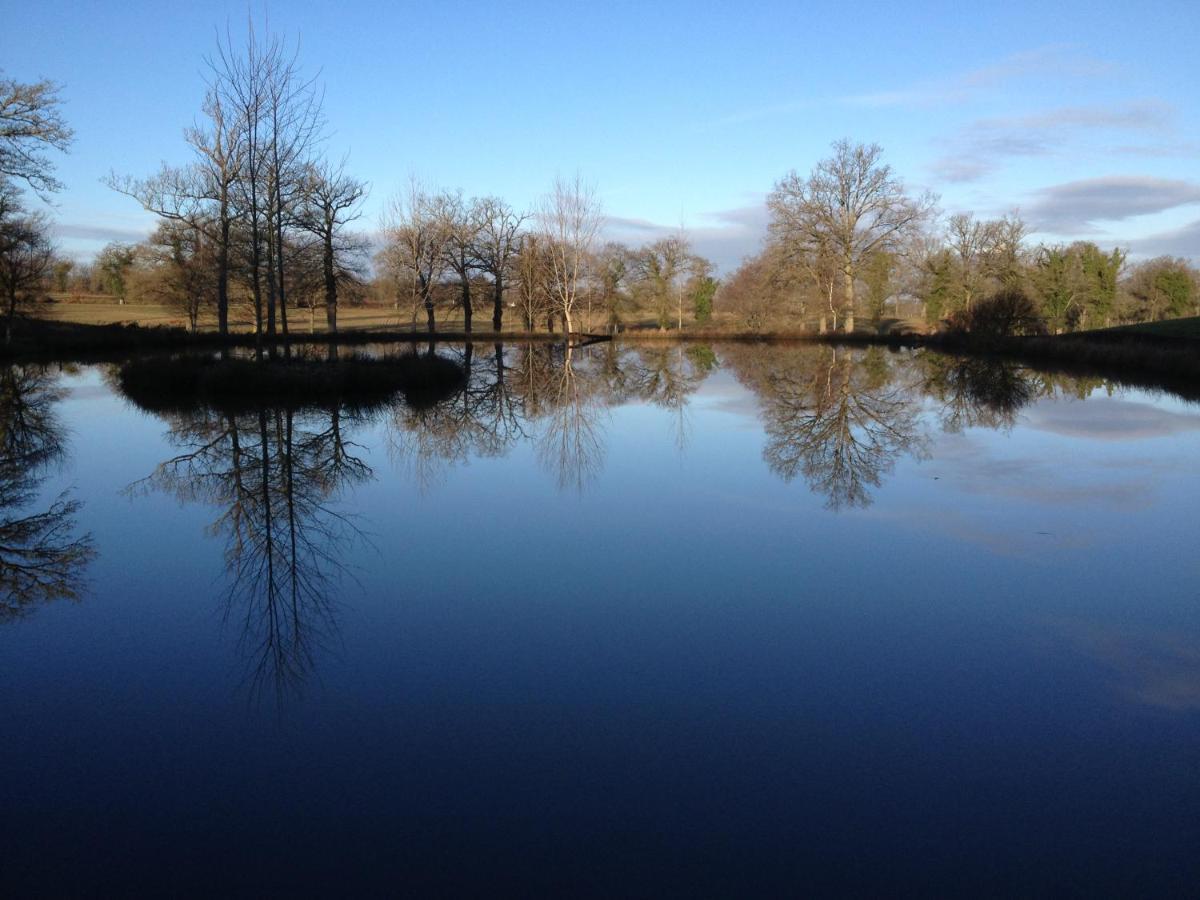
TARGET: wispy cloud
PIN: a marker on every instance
(1183, 241)
(722, 236)
(1057, 60)
(982, 146)
(1110, 419)
(98, 232)
(1078, 207)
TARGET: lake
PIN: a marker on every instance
(636, 620)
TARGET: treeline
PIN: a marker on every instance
(260, 220)
(259, 225)
(442, 250)
(847, 241)
(261, 214)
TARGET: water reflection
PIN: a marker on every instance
(838, 418)
(41, 558)
(275, 475)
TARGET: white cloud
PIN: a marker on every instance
(1078, 206)
(982, 146)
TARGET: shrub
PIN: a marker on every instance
(1004, 314)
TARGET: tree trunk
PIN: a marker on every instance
(848, 294)
(223, 272)
(283, 322)
(497, 303)
(331, 297)
(466, 304)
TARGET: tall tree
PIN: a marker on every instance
(497, 243)
(851, 201)
(460, 228)
(331, 201)
(31, 122)
(201, 195)
(294, 122)
(570, 216)
(26, 254)
(415, 241)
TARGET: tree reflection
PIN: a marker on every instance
(547, 394)
(977, 391)
(838, 417)
(570, 444)
(667, 376)
(275, 475)
(41, 558)
(483, 416)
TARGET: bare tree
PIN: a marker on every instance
(570, 215)
(533, 273)
(497, 243)
(972, 240)
(200, 196)
(26, 254)
(294, 123)
(853, 202)
(179, 268)
(660, 269)
(459, 226)
(415, 237)
(332, 200)
(241, 78)
(30, 122)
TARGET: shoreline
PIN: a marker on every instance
(1131, 356)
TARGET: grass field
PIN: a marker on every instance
(101, 310)
(106, 312)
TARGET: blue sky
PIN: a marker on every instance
(1084, 116)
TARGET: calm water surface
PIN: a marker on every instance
(664, 621)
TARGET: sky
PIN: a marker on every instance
(1082, 116)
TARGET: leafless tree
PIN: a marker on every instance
(201, 195)
(570, 215)
(460, 228)
(242, 80)
(415, 242)
(30, 122)
(659, 271)
(26, 254)
(972, 241)
(179, 268)
(497, 243)
(294, 121)
(331, 201)
(534, 280)
(852, 202)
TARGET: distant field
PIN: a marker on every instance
(101, 310)
(106, 312)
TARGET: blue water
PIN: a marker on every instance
(668, 621)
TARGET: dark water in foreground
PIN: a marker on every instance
(662, 621)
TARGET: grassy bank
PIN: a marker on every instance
(1164, 352)
(47, 340)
